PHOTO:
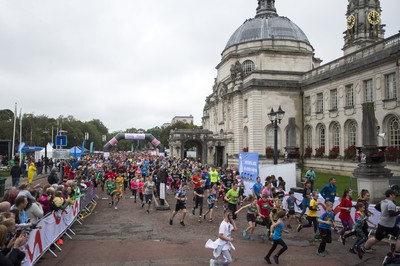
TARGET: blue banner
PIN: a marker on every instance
(248, 165)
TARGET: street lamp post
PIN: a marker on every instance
(46, 160)
(276, 118)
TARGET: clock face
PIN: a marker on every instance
(374, 17)
(351, 21)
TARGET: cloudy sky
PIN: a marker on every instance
(138, 63)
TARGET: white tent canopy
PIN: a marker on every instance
(41, 153)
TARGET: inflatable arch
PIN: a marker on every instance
(156, 143)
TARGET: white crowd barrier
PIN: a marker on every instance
(54, 225)
(374, 218)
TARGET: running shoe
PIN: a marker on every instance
(299, 227)
(142, 205)
(276, 259)
(351, 250)
(200, 219)
(204, 216)
(360, 252)
(116, 207)
(210, 220)
(170, 222)
(147, 211)
(193, 212)
(386, 260)
(342, 240)
(244, 233)
(289, 226)
(212, 262)
(251, 238)
(267, 260)
(182, 223)
(321, 254)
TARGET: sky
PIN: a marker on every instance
(138, 63)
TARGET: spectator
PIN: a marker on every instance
(310, 176)
(31, 172)
(15, 174)
(53, 177)
(328, 192)
(35, 210)
(15, 256)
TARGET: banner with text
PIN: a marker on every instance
(248, 165)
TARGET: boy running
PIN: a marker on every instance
(312, 215)
(181, 198)
(290, 202)
(324, 223)
(210, 202)
(199, 196)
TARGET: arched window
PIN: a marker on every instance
(269, 137)
(248, 66)
(352, 133)
(309, 137)
(394, 131)
(336, 135)
(321, 136)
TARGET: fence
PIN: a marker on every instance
(54, 225)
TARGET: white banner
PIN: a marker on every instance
(53, 226)
(162, 191)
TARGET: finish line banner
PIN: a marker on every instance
(248, 165)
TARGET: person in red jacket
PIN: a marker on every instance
(265, 205)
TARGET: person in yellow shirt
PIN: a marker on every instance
(31, 172)
(120, 183)
(312, 215)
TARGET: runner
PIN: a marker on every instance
(252, 211)
(306, 199)
(111, 187)
(232, 197)
(276, 233)
(345, 209)
(312, 215)
(210, 202)
(324, 223)
(223, 245)
(180, 204)
(290, 202)
(140, 190)
(134, 187)
(149, 189)
(199, 196)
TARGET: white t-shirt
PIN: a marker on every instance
(387, 220)
(225, 228)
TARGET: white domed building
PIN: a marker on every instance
(269, 62)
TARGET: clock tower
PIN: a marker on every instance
(363, 25)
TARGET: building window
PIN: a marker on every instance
(307, 105)
(394, 130)
(245, 106)
(349, 96)
(322, 136)
(320, 103)
(270, 137)
(248, 66)
(368, 91)
(334, 99)
(336, 135)
(309, 137)
(351, 133)
(390, 86)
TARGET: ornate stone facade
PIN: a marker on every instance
(269, 61)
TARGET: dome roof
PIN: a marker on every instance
(267, 28)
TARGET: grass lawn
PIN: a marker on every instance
(342, 182)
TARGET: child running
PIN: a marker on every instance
(223, 245)
(252, 211)
(180, 204)
(312, 215)
(290, 202)
(210, 202)
(134, 187)
(111, 187)
(276, 234)
(199, 196)
(324, 223)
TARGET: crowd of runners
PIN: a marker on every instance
(202, 189)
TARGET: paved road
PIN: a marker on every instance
(130, 236)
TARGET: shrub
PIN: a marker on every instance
(350, 152)
(334, 152)
(392, 154)
(308, 152)
(319, 152)
(269, 152)
(246, 149)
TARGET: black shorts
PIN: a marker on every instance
(382, 232)
(291, 212)
(148, 198)
(251, 217)
(180, 206)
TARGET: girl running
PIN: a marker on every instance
(252, 211)
(210, 202)
(134, 187)
(345, 209)
(276, 233)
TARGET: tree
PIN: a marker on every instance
(164, 135)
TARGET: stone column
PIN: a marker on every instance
(371, 173)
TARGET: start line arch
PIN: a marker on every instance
(129, 136)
